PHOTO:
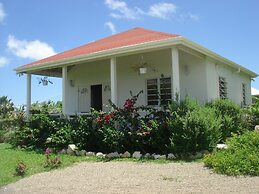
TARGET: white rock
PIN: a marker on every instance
(171, 156)
(204, 152)
(100, 155)
(82, 153)
(63, 151)
(221, 146)
(156, 156)
(136, 155)
(48, 140)
(113, 155)
(162, 157)
(126, 155)
(71, 149)
(198, 155)
(147, 155)
(77, 152)
(90, 154)
(257, 127)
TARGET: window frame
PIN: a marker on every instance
(158, 81)
(244, 96)
(224, 94)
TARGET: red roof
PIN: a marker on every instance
(127, 38)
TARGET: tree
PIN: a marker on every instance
(6, 106)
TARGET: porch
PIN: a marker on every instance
(170, 73)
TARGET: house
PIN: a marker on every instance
(165, 66)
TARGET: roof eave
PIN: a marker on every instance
(134, 48)
(102, 54)
(217, 57)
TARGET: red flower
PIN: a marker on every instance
(99, 121)
(129, 103)
(107, 117)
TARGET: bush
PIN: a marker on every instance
(84, 134)
(20, 169)
(231, 115)
(35, 132)
(179, 127)
(193, 128)
(62, 136)
(251, 115)
(240, 158)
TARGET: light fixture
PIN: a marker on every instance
(142, 70)
(44, 81)
(72, 83)
(107, 88)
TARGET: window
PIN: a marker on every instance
(222, 88)
(158, 91)
(243, 94)
(152, 92)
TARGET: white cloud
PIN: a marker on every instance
(111, 26)
(3, 61)
(2, 13)
(29, 49)
(194, 17)
(188, 16)
(162, 10)
(122, 9)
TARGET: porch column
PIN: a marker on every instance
(28, 99)
(113, 81)
(175, 81)
(64, 86)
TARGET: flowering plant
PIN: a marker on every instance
(51, 162)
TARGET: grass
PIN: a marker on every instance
(35, 162)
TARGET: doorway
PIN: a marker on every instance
(96, 97)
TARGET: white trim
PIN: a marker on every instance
(126, 50)
(175, 81)
(113, 67)
(64, 85)
(28, 98)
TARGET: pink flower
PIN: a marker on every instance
(47, 151)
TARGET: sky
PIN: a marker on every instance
(32, 30)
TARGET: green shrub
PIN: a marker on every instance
(251, 115)
(193, 128)
(109, 139)
(231, 115)
(241, 157)
(62, 136)
(83, 133)
(35, 132)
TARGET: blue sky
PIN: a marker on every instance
(30, 30)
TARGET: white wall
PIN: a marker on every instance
(193, 77)
(198, 78)
(234, 79)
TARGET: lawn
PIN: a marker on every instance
(9, 157)
(35, 162)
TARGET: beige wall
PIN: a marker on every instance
(198, 79)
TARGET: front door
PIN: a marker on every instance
(96, 97)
